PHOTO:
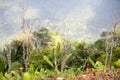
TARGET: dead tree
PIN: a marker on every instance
(26, 31)
(8, 55)
(113, 41)
(105, 36)
(55, 61)
(62, 58)
(106, 59)
(65, 47)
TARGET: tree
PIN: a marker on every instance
(43, 42)
(44, 37)
(27, 38)
(37, 58)
(8, 55)
(106, 36)
(98, 50)
(3, 61)
(17, 54)
(79, 56)
(111, 38)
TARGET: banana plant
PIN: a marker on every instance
(117, 63)
(56, 52)
(3, 61)
(98, 65)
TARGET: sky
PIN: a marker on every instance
(76, 19)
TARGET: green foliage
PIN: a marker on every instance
(98, 51)
(7, 76)
(16, 65)
(44, 37)
(117, 63)
(48, 61)
(113, 70)
(13, 75)
(42, 73)
(31, 70)
(72, 71)
(79, 56)
(17, 51)
(26, 76)
(37, 58)
(79, 70)
(2, 64)
(100, 44)
(92, 62)
(58, 49)
(3, 61)
(69, 73)
(98, 65)
(47, 48)
(116, 54)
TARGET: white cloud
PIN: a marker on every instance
(12, 19)
(8, 3)
(76, 22)
(94, 2)
(31, 13)
(15, 8)
(82, 14)
(3, 3)
(79, 18)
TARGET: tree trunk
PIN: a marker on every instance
(62, 59)
(111, 51)
(25, 57)
(9, 60)
(112, 43)
(106, 59)
(55, 61)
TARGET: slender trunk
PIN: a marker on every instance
(111, 52)
(27, 54)
(112, 43)
(62, 59)
(24, 27)
(37, 46)
(25, 57)
(9, 60)
(106, 59)
(55, 61)
(62, 62)
(36, 43)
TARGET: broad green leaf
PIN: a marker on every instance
(92, 62)
(68, 56)
(99, 65)
(26, 76)
(117, 63)
(48, 61)
(31, 70)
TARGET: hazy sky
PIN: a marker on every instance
(82, 19)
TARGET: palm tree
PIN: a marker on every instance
(113, 39)
(8, 55)
(110, 38)
(106, 36)
(3, 60)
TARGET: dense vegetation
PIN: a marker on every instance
(45, 54)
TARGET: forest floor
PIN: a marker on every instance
(96, 75)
